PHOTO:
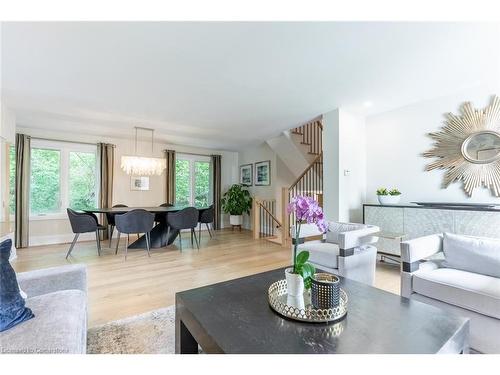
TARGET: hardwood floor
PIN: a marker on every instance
(119, 288)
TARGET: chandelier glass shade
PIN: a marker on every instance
(141, 165)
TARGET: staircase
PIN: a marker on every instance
(265, 223)
(306, 161)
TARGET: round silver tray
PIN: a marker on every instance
(300, 308)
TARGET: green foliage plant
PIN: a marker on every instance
(237, 200)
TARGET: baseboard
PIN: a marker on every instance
(54, 239)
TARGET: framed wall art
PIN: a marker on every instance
(263, 173)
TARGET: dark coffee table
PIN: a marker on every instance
(235, 317)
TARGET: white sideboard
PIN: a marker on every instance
(416, 221)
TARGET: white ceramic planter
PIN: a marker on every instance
(389, 199)
(235, 219)
(294, 283)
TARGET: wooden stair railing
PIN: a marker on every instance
(310, 182)
(311, 135)
(265, 222)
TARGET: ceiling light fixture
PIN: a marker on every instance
(367, 104)
(141, 165)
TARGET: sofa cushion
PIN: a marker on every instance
(59, 326)
(321, 253)
(472, 291)
(13, 310)
(473, 254)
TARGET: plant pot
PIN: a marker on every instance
(388, 199)
(294, 283)
(235, 219)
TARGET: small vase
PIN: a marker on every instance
(325, 291)
(294, 283)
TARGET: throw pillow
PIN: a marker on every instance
(12, 306)
(474, 254)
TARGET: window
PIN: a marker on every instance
(62, 175)
(192, 180)
(45, 192)
(202, 183)
(82, 180)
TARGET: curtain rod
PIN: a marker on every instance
(64, 141)
(190, 153)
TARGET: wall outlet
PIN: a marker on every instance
(347, 172)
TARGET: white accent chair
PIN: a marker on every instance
(345, 250)
(426, 277)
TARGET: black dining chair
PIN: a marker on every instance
(160, 218)
(186, 218)
(135, 221)
(84, 222)
(111, 222)
(206, 217)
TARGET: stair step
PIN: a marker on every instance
(305, 143)
(297, 132)
(313, 153)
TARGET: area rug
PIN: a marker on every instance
(149, 333)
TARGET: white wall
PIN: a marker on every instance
(53, 231)
(396, 141)
(344, 166)
(280, 176)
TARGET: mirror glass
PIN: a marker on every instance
(482, 147)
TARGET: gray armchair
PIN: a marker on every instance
(206, 217)
(84, 222)
(135, 221)
(184, 219)
(346, 249)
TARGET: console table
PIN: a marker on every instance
(405, 222)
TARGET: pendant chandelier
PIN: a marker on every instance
(141, 165)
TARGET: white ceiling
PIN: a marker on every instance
(229, 85)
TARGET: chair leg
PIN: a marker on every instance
(168, 234)
(111, 230)
(199, 231)
(126, 248)
(212, 229)
(98, 241)
(117, 242)
(148, 243)
(196, 240)
(192, 244)
(209, 231)
(180, 240)
(72, 245)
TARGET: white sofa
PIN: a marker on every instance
(345, 250)
(428, 276)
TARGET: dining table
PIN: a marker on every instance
(160, 235)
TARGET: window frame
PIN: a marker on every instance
(65, 148)
(192, 175)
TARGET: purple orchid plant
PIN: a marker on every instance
(306, 210)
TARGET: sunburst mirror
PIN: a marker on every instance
(468, 147)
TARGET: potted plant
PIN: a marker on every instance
(388, 196)
(235, 202)
(306, 210)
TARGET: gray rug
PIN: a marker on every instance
(149, 333)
